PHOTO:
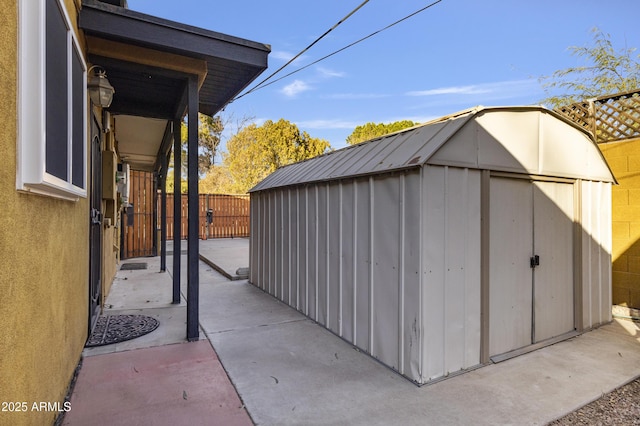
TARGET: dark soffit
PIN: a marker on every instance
(232, 62)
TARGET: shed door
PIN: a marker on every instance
(553, 242)
(529, 303)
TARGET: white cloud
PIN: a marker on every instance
(285, 56)
(328, 124)
(295, 88)
(355, 96)
(328, 73)
(281, 54)
(501, 89)
(454, 90)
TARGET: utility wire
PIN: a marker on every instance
(263, 85)
(259, 85)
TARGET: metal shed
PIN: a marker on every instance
(447, 246)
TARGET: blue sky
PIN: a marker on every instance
(453, 56)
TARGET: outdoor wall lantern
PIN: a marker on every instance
(100, 91)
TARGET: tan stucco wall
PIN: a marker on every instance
(111, 228)
(44, 246)
(110, 257)
(624, 160)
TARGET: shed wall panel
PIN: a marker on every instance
(277, 249)
(312, 247)
(275, 236)
(410, 280)
(455, 272)
(303, 250)
(385, 304)
(470, 186)
(334, 283)
(285, 246)
(258, 239)
(362, 268)
(264, 243)
(293, 248)
(596, 253)
(253, 240)
(434, 280)
(348, 210)
(451, 289)
(322, 284)
(272, 236)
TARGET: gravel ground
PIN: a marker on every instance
(620, 408)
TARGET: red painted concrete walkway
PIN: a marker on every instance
(166, 385)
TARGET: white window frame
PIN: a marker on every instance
(31, 173)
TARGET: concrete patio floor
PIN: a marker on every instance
(286, 369)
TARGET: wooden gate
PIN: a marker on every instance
(221, 216)
(140, 219)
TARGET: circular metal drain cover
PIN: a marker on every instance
(119, 328)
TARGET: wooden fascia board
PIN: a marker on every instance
(137, 28)
(151, 57)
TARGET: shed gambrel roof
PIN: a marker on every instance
(532, 140)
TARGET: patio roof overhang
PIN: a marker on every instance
(161, 71)
(148, 61)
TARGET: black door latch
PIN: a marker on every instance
(534, 261)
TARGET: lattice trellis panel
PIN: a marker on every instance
(616, 117)
(579, 113)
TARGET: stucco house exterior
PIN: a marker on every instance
(64, 154)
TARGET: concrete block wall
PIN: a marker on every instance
(624, 159)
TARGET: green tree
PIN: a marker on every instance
(209, 136)
(606, 71)
(256, 151)
(375, 130)
(216, 181)
(183, 183)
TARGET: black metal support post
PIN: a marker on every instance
(193, 255)
(163, 215)
(177, 211)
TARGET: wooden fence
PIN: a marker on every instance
(229, 216)
(140, 220)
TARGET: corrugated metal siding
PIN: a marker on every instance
(451, 288)
(365, 292)
(596, 253)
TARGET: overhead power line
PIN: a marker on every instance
(259, 85)
(264, 83)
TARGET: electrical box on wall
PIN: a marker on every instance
(109, 167)
(122, 181)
